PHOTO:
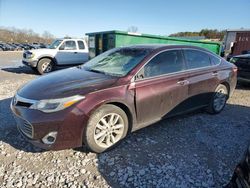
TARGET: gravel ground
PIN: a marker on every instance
(194, 150)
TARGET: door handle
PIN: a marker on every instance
(215, 74)
(75, 52)
(183, 82)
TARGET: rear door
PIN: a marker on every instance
(203, 76)
(160, 86)
(82, 54)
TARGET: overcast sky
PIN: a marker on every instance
(162, 17)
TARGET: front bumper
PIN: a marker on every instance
(69, 125)
(31, 63)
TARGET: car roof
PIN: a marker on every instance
(69, 39)
(159, 47)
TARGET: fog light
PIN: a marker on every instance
(50, 138)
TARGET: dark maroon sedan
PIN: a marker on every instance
(120, 91)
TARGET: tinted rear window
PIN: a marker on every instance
(196, 59)
(215, 60)
(80, 45)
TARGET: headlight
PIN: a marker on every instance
(29, 55)
(54, 105)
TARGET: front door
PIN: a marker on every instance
(160, 86)
(67, 53)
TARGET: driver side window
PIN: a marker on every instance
(68, 45)
(163, 63)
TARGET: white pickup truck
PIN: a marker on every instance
(62, 52)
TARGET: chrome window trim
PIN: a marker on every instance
(177, 72)
(206, 52)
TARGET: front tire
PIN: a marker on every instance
(45, 65)
(107, 126)
(218, 100)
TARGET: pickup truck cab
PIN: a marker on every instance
(61, 52)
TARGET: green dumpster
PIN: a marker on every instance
(102, 41)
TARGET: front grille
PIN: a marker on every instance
(25, 127)
(22, 102)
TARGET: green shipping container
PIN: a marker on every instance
(100, 42)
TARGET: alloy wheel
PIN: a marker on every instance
(46, 67)
(220, 99)
(109, 130)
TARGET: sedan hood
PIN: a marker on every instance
(65, 83)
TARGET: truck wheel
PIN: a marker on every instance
(45, 65)
(218, 100)
(107, 126)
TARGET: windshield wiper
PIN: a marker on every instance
(97, 71)
(102, 72)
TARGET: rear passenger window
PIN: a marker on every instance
(165, 62)
(80, 45)
(215, 60)
(197, 59)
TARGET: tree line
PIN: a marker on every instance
(29, 36)
(11, 35)
(207, 33)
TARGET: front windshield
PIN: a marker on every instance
(117, 62)
(55, 44)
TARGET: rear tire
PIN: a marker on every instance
(107, 126)
(218, 100)
(45, 65)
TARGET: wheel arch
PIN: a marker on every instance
(116, 103)
(225, 83)
(49, 57)
(126, 109)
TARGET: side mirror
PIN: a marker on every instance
(139, 76)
